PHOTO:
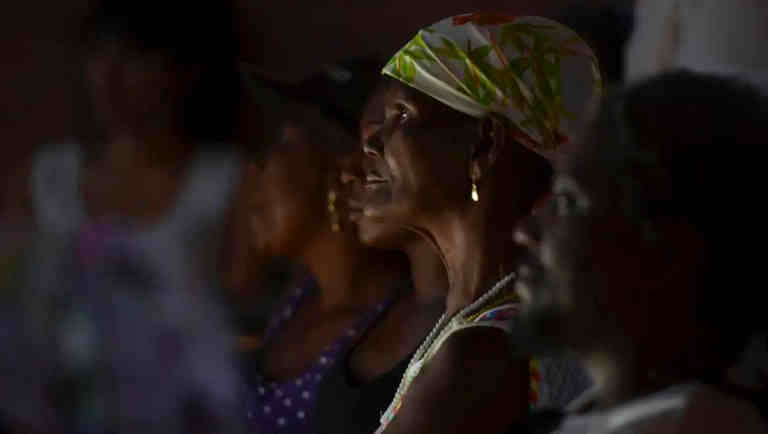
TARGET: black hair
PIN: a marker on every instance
(199, 36)
(683, 145)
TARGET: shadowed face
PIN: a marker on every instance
(417, 156)
(599, 271)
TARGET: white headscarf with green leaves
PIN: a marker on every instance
(531, 70)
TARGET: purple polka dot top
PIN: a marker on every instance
(286, 406)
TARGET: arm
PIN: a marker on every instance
(707, 411)
(475, 383)
(710, 411)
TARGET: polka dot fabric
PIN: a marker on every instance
(286, 406)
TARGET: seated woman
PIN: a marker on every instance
(352, 397)
(449, 160)
(294, 212)
(631, 265)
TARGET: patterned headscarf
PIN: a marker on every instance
(535, 72)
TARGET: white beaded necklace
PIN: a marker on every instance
(434, 336)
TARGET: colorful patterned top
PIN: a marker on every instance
(286, 406)
(553, 383)
(115, 329)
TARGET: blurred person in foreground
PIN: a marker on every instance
(115, 328)
(635, 265)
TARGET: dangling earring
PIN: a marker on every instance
(474, 194)
(335, 227)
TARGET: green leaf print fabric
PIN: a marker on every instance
(531, 70)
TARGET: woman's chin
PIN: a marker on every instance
(380, 235)
(383, 213)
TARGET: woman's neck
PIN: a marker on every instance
(476, 254)
(430, 282)
(351, 276)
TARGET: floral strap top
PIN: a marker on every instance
(553, 382)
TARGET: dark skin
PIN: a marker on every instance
(620, 263)
(631, 344)
(288, 217)
(575, 287)
(419, 141)
(407, 322)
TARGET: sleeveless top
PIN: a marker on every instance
(287, 406)
(120, 316)
(344, 406)
(553, 382)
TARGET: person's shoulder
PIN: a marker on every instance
(707, 410)
(475, 348)
(712, 411)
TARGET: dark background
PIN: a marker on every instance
(287, 38)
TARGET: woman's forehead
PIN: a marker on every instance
(372, 109)
(391, 89)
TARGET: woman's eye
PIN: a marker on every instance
(402, 114)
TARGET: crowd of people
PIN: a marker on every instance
(511, 225)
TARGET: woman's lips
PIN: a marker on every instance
(374, 180)
(374, 177)
(372, 192)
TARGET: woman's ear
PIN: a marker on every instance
(491, 142)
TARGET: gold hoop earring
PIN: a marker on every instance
(335, 226)
(475, 195)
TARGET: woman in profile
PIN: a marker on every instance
(294, 211)
(469, 106)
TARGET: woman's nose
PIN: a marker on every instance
(373, 146)
(528, 231)
(350, 169)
